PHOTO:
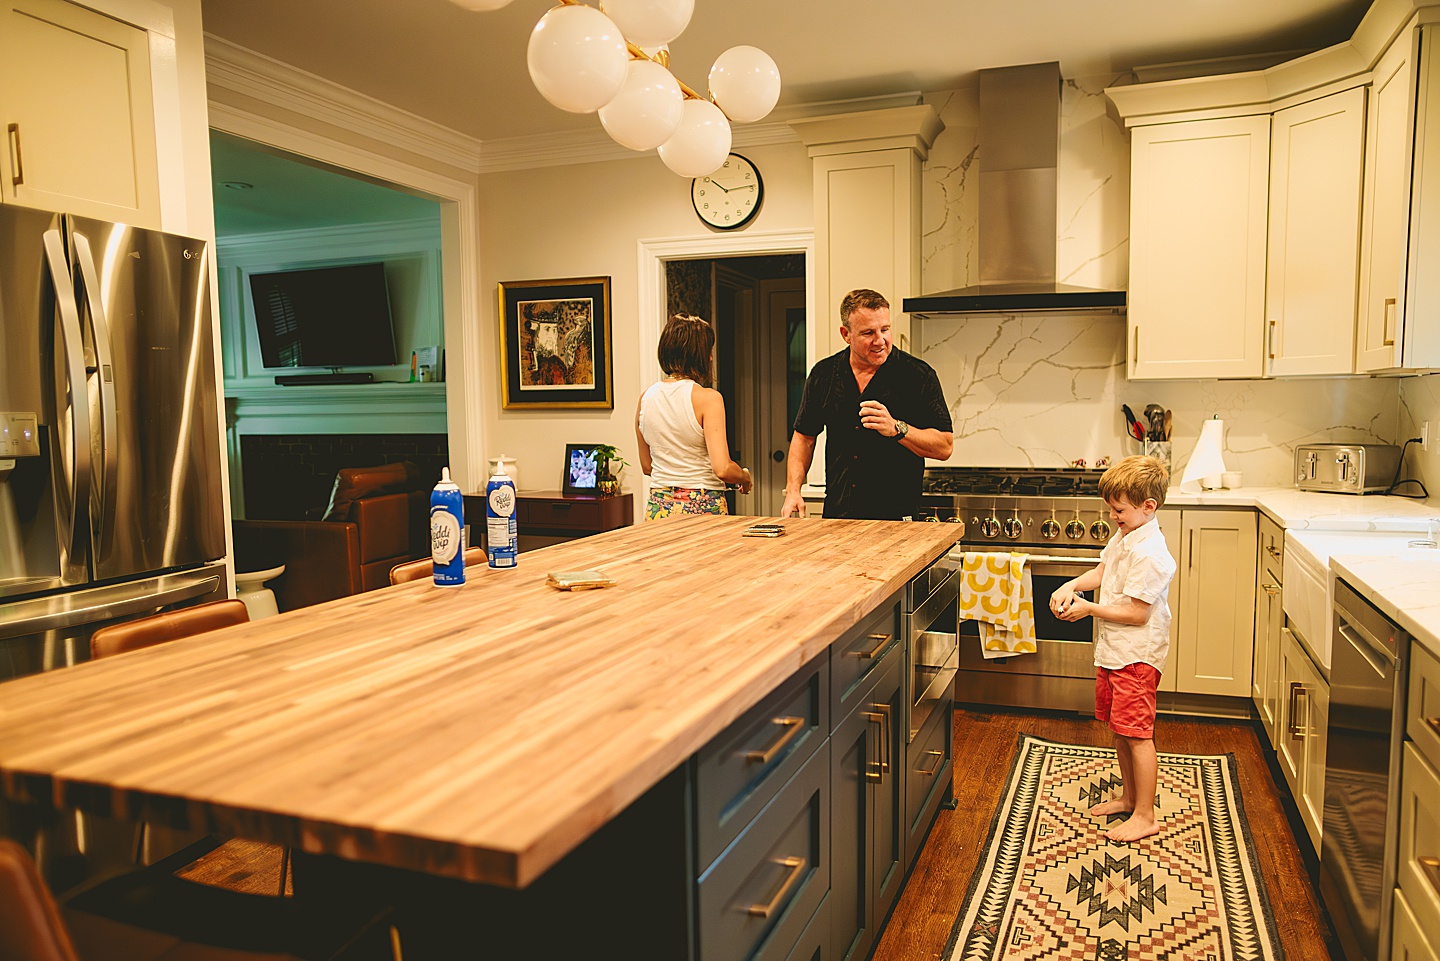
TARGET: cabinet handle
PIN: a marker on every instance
(1391, 308)
(1190, 551)
(797, 868)
(1430, 867)
(1273, 551)
(1135, 353)
(875, 770)
(1272, 340)
(793, 725)
(1293, 730)
(17, 164)
(560, 506)
(884, 710)
(881, 640)
(938, 756)
(1271, 589)
(1434, 723)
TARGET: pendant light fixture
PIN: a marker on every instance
(615, 60)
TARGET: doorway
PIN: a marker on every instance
(757, 305)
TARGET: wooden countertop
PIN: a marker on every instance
(479, 732)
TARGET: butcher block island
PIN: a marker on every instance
(711, 758)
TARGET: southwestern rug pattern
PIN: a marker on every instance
(1051, 887)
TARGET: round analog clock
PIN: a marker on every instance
(730, 197)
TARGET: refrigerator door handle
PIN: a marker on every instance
(103, 493)
(75, 374)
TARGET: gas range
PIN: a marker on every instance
(1057, 511)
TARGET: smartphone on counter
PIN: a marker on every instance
(763, 530)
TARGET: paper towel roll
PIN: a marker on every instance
(1206, 459)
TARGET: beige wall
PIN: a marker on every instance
(587, 221)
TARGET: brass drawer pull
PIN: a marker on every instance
(881, 641)
(1271, 589)
(884, 710)
(797, 868)
(874, 769)
(1291, 709)
(795, 725)
(1430, 867)
(16, 163)
(1434, 723)
(939, 756)
(1272, 551)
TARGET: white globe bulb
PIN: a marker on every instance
(649, 23)
(481, 4)
(647, 110)
(577, 58)
(745, 83)
(700, 143)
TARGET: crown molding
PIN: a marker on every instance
(238, 69)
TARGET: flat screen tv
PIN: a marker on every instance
(324, 317)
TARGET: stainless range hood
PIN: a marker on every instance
(1019, 152)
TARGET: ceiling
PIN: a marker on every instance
(466, 70)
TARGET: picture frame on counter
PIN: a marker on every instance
(581, 472)
(555, 344)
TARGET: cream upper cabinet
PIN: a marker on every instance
(1386, 209)
(76, 102)
(1316, 172)
(1198, 216)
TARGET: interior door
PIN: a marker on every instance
(781, 317)
(734, 295)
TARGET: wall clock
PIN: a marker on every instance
(730, 197)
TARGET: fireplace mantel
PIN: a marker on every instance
(378, 408)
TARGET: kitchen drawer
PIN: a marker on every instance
(1272, 548)
(1408, 941)
(855, 656)
(814, 943)
(927, 774)
(1419, 864)
(740, 770)
(758, 897)
(1422, 712)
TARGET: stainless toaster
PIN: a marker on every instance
(1345, 468)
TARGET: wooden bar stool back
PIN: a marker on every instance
(166, 626)
(415, 570)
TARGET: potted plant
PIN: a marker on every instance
(610, 463)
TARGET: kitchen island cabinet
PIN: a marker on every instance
(418, 739)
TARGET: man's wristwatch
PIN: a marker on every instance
(901, 429)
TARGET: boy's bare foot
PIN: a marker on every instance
(1117, 806)
(1134, 828)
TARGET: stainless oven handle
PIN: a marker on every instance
(1087, 559)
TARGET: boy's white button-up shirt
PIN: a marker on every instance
(1137, 565)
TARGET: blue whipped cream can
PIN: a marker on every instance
(447, 531)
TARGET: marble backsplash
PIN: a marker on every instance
(1044, 390)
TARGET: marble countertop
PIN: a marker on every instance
(1405, 585)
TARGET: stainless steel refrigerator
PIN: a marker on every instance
(110, 496)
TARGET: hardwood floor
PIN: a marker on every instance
(984, 749)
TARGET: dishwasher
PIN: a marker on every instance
(1360, 826)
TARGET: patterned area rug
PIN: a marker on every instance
(1052, 887)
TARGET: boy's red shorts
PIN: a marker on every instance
(1126, 698)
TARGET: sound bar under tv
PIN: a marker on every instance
(305, 380)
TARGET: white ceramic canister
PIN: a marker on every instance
(505, 464)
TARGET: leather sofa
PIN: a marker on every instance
(369, 527)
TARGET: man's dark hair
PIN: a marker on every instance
(685, 347)
(865, 299)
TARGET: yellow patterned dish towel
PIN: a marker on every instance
(997, 593)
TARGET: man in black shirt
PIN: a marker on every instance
(885, 413)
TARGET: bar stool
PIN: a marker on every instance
(424, 567)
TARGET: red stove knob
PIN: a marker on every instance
(1050, 529)
(1100, 530)
(990, 526)
(1013, 527)
(1075, 529)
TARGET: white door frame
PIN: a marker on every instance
(459, 221)
(653, 255)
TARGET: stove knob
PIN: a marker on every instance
(932, 519)
(990, 527)
(1050, 529)
(1013, 527)
(1100, 530)
(1075, 529)
(954, 519)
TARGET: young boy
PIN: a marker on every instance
(1134, 633)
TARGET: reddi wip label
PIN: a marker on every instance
(444, 536)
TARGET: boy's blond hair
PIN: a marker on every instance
(1137, 479)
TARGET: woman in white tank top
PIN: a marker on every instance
(680, 428)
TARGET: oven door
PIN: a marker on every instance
(1062, 648)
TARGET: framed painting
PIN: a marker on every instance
(555, 344)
